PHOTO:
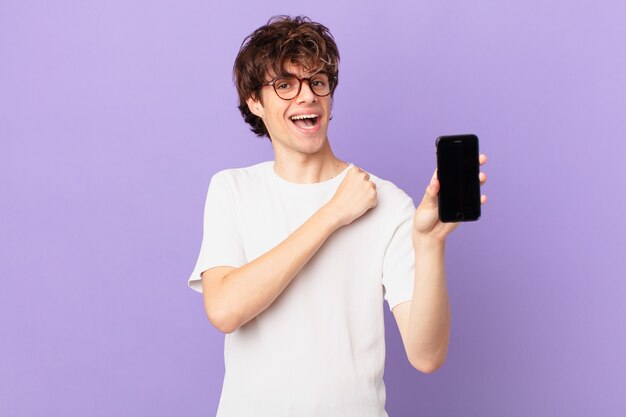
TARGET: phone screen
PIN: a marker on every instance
(457, 170)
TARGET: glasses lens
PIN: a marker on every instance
(320, 84)
(287, 87)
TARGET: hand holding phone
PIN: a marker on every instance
(457, 171)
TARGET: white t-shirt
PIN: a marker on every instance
(319, 348)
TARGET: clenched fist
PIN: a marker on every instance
(356, 195)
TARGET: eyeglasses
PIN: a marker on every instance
(288, 87)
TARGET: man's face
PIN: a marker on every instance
(306, 135)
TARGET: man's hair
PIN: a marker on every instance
(271, 47)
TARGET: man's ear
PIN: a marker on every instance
(255, 106)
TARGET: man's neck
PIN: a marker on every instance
(309, 170)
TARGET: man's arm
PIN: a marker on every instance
(241, 295)
(424, 322)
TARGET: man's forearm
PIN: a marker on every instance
(429, 322)
(246, 291)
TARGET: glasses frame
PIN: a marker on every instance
(331, 80)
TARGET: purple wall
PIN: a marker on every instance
(113, 117)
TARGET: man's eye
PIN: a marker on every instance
(319, 83)
(283, 85)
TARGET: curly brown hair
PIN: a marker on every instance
(268, 49)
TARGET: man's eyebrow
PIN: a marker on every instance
(289, 74)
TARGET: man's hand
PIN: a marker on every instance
(426, 222)
(355, 196)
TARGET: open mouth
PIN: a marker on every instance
(305, 121)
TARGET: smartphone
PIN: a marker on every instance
(457, 171)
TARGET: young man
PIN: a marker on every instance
(298, 253)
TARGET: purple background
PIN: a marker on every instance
(115, 114)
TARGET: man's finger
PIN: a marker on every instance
(482, 159)
(430, 196)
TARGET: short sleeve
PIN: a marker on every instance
(399, 260)
(221, 240)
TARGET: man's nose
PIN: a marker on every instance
(306, 94)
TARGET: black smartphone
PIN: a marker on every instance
(457, 171)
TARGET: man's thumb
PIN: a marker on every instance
(430, 197)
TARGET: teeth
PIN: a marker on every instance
(303, 116)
